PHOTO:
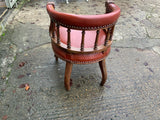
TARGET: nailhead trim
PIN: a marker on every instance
(80, 62)
(84, 28)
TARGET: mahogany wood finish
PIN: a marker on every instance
(58, 39)
(68, 71)
(102, 65)
(56, 57)
(82, 39)
(82, 42)
(96, 41)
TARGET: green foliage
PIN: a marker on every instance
(3, 34)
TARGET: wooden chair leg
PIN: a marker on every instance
(102, 65)
(68, 71)
(56, 57)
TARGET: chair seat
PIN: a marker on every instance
(76, 37)
(81, 58)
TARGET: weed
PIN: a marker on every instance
(3, 34)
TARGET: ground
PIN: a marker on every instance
(132, 90)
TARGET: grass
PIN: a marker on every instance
(3, 34)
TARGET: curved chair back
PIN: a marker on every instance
(83, 23)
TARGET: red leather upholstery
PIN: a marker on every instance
(76, 36)
(78, 22)
(85, 20)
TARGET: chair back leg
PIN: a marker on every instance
(56, 57)
(102, 65)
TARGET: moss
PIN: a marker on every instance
(8, 73)
(15, 57)
(3, 34)
(0, 28)
(21, 3)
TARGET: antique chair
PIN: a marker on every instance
(82, 39)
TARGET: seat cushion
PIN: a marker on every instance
(76, 37)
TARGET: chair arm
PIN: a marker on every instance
(108, 8)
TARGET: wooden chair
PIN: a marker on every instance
(82, 39)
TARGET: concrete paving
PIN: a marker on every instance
(132, 91)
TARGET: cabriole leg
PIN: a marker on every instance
(102, 65)
(68, 71)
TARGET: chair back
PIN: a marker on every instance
(102, 25)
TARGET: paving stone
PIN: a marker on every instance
(131, 91)
(156, 49)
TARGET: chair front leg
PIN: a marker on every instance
(102, 65)
(68, 71)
